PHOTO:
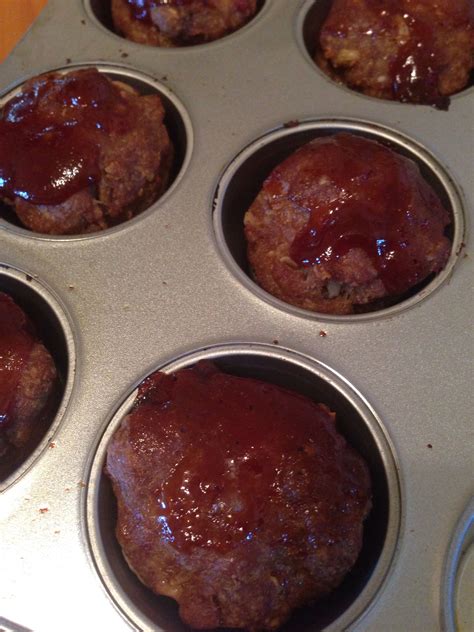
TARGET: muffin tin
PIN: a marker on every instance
(171, 286)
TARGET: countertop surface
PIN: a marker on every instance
(15, 18)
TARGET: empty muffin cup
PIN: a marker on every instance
(355, 420)
(47, 362)
(242, 181)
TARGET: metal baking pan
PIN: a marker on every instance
(172, 286)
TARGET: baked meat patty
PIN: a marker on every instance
(344, 221)
(80, 153)
(27, 377)
(172, 23)
(417, 51)
(236, 497)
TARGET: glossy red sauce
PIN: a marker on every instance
(51, 133)
(415, 67)
(360, 195)
(16, 343)
(415, 71)
(238, 454)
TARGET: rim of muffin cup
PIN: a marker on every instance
(356, 420)
(177, 122)
(308, 26)
(99, 13)
(243, 177)
(54, 331)
(455, 575)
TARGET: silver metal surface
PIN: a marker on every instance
(147, 293)
(457, 602)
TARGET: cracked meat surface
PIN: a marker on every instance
(90, 153)
(27, 377)
(180, 22)
(418, 51)
(236, 497)
(342, 222)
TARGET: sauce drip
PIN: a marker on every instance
(416, 42)
(238, 454)
(360, 195)
(16, 343)
(414, 72)
(51, 134)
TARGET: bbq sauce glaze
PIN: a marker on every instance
(360, 195)
(415, 70)
(241, 455)
(51, 134)
(16, 342)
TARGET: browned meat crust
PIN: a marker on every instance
(36, 380)
(134, 168)
(410, 50)
(235, 497)
(32, 395)
(183, 23)
(321, 182)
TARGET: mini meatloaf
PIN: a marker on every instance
(27, 377)
(342, 222)
(173, 23)
(237, 498)
(417, 51)
(80, 153)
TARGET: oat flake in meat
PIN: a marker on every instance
(80, 153)
(236, 497)
(342, 222)
(180, 22)
(417, 51)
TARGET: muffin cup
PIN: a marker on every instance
(309, 24)
(176, 121)
(100, 13)
(243, 178)
(456, 590)
(356, 421)
(54, 331)
(174, 279)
